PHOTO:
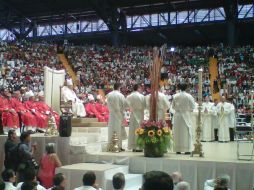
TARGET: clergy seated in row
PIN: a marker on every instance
(96, 110)
(40, 110)
(68, 94)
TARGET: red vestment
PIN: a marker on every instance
(91, 111)
(103, 110)
(27, 117)
(9, 118)
(42, 120)
(43, 108)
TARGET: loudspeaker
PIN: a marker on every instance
(65, 126)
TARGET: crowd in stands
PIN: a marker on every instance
(235, 74)
(101, 66)
(22, 64)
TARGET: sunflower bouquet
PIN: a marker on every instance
(154, 137)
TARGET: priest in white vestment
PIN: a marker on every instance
(137, 104)
(183, 104)
(223, 109)
(116, 105)
(232, 121)
(68, 94)
(215, 119)
(206, 121)
(163, 105)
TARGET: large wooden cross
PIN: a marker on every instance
(155, 71)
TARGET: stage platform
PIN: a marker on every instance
(88, 146)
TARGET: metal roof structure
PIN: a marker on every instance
(132, 21)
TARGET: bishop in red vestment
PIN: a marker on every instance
(102, 109)
(91, 110)
(27, 118)
(43, 108)
(31, 105)
(10, 118)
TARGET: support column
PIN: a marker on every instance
(231, 33)
(35, 32)
(115, 38)
(231, 11)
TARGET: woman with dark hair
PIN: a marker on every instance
(9, 178)
(49, 162)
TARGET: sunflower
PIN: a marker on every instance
(165, 129)
(159, 132)
(137, 131)
(141, 131)
(151, 133)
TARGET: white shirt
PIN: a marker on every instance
(85, 188)
(9, 186)
(39, 187)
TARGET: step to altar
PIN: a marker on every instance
(78, 131)
(90, 124)
(83, 120)
(74, 173)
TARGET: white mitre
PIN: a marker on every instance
(29, 94)
(90, 97)
(69, 82)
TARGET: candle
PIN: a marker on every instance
(200, 84)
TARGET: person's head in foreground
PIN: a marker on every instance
(50, 148)
(157, 180)
(222, 182)
(30, 175)
(8, 176)
(59, 180)
(89, 179)
(29, 185)
(118, 181)
(177, 177)
(12, 135)
(25, 137)
(183, 185)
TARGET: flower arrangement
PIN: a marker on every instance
(156, 135)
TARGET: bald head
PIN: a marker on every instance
(183, 185)
(223, 99)
(177, 177)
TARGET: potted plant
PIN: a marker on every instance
(154, 137)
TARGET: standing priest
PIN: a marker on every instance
(163, 105)
(183, 104)
(224, 110)
(116, 104)
(207, 127)
(137, 104)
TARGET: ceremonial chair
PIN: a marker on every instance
(65, 107)
(244, 134)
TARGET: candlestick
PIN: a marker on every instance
(198, 146)
(200, 85)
